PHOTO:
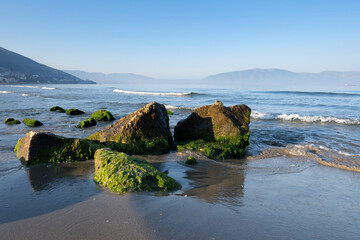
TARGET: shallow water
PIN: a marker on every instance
(283, 189)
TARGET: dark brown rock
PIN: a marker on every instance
(218, 123)
(143, 131)
(45, 147)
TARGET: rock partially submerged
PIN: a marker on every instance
(87, 123)
(145, 131)
(74, 111)
(32, 122)
(191, 161)
(219, 132)
(57, 109)
(45, 147)
(122, 173)
(103, 115)
(11, 121)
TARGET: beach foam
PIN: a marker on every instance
(297, 117)
(152, 93)
(5, 92)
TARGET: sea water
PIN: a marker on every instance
(293, 132)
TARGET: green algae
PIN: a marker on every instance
(191, 160)
(154, 146)
(57, 109)
(121, 173)
(213, 150)
(169, 112)
(73, 150)
(87, 123)
(32, 122)
(11, 121)
(74, 111)
(103, 115)
(240, 141)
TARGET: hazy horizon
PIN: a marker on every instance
(187, 39)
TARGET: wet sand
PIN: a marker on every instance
(274, 198)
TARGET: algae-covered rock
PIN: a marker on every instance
(191, 160)
(122, 173)
(11, 121)
(57, 109)
(169, 112)
(145, 131)
(74, 111)
(103, 115)
(224, 131)
(32, 122)
(45, 147)
(213, 150)
(87, 123)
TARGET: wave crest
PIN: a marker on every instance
(297, 117)
(153, 93)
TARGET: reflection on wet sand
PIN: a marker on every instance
(41, 177)
(216, 183)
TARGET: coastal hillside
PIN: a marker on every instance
(279, 77)
(15, 68)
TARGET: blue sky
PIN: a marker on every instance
(184, 39)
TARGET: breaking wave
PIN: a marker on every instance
(154, 93)
(48, 88)
(303, 118)
(322, 119)
(178, 107)
(5, 92)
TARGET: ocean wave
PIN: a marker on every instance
(25, 94)
(22, 86)
(258, 115)
(5, 92)
(320, 154)
(178, 107)
(153, 93)
(48, 88)
(322, 119)
(315, 93)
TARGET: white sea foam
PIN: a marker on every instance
(24, 94)
(24, 86)
(152, 93)
(297, 117)
(178, 107)
(5, 92)
(48, 88)
(258, 115)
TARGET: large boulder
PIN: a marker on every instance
(121, 173)
(145, 131)
(45, 147)
(218, 131)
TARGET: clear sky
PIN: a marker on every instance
(184, 39)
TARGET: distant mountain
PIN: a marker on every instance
(15, 68)
(113, 78)
(279, 77)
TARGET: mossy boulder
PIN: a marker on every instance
(32, 122)
(121, 173)
(57, 109)
(87, 123)
(11, 121)
(145, 131)
(103, 115)
(74, 111)
(213, 150)
(224, 131)
(191, 160)
(45, 147)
